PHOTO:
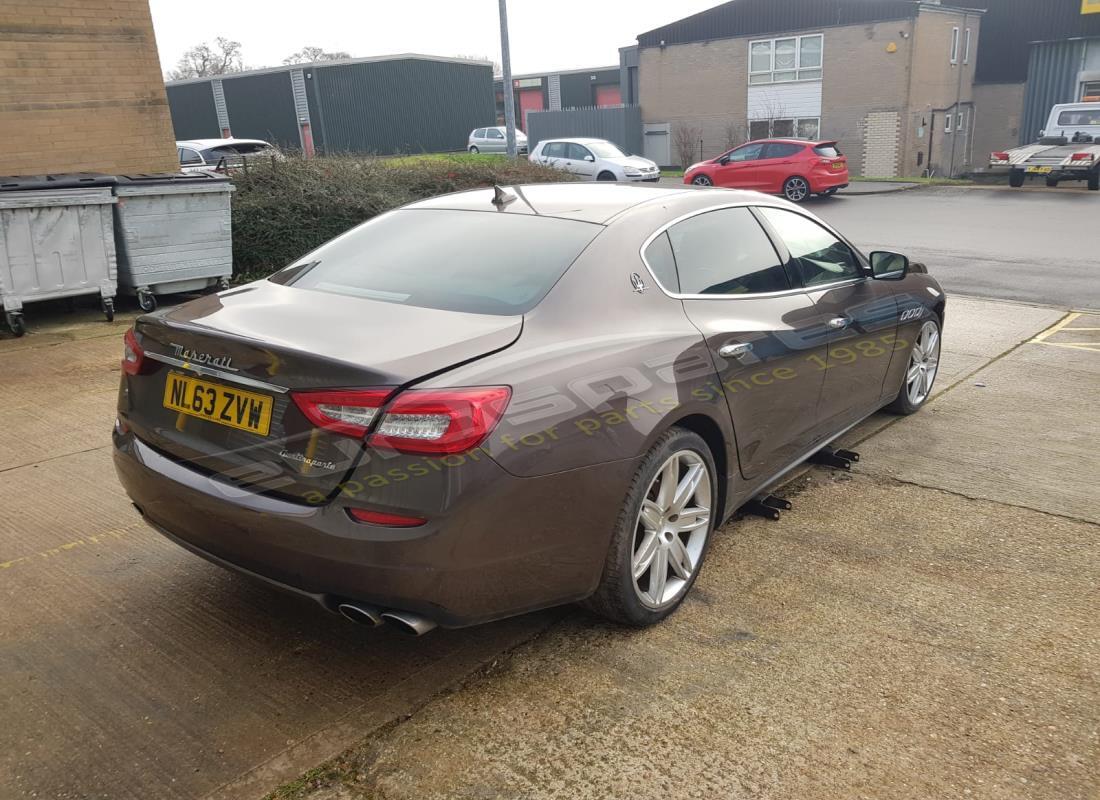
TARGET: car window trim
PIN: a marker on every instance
(797, 286)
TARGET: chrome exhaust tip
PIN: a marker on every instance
(361, 615)
(408, 623)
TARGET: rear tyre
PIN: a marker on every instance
(701, 180)
(1052, 183)
(920, 371)
(661, 535)
(15, 322)
(606, 176)
(796, 189)
(1094, 182)
(1016, 178)
(474, 150)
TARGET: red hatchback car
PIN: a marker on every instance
(794, 168)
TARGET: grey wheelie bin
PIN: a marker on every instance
(56, 240)
(173, 233)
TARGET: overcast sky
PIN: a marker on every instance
(545, 36)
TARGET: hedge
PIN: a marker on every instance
(283, 209)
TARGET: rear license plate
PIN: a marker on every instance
(1040, 170)
(838, 166)
(214, 402)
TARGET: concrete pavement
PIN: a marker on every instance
(923, 627)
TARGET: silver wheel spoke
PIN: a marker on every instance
(914, 373)
(685, 490)
(651, 515)
(692, 518)
(679, 558)
(658, 575)
(670, 475)
(643, 556)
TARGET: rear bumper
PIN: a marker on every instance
(506, 545)
(824, 181)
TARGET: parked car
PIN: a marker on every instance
(594, 159)
(794, 168)
(221, 155)
(493, 140)
(1068, 149)
(600, 377)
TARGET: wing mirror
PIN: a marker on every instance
(887, 266)
(724, 160)
(589, 158)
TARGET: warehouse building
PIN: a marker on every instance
(387, 104)
(593, 87)
(891, 80)
(1034, 54)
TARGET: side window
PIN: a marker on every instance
(726, 252)
(188, 156)
(554, 150)
(479, 133)
(577, 152)
(816, 255)
(781, 150)
(493, 133)
(659, 257)
(749, 152)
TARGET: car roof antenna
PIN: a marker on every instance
(502, 198)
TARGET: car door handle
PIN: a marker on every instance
(735, 350)
(836, 323)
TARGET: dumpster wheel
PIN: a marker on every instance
(109, 309)
(147, 301)
(15, 322)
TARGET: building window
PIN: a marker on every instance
(966, 47)
(785, 128)
(947, 122)
(960, 122)
(793, 58)
(954, 45)
(1090, 91)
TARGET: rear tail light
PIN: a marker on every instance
(384, 518)
(347, 412)
(133, 355)
(423, 421)
(1081, 157)
(440, 422)
(999, 157)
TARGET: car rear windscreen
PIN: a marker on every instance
(827, 151)
(481, 262)
(1081, 116)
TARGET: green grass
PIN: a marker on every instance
(412, 160)
(923, 181)
(672, 173)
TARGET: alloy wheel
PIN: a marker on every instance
(671, 529)
(924, 361)
(796, 189)
(701, 180)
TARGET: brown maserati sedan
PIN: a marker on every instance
(506, 399)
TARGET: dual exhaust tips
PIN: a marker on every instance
(403, 621)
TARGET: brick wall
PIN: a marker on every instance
(81, 89)
(703, 85)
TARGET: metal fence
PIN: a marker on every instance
(619, 124)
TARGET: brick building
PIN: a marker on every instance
(81, 89)
(891, 80)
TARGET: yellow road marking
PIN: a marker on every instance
(76, 544)
(1053, 329)
(1092, 347)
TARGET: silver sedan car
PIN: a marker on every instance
(494, 140)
